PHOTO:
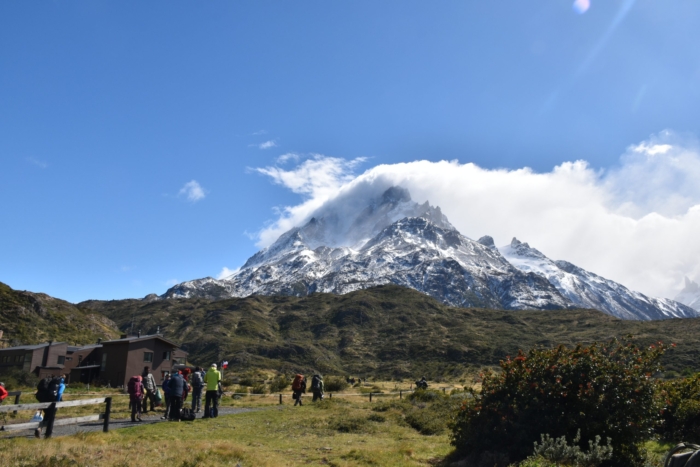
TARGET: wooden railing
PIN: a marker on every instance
(50, 409)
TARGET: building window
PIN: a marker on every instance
(148, 357)
(80, 359)
(166, 355)
(61, 359)
(4, 359)
(19, 358)
(104, 362)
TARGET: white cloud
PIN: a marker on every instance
(193, 191)
(37, 163)
(317, 179)
(635, 223)
(259, 133)
(264, 145)
(284, 158)
(226, 272)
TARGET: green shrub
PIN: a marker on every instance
(279, 384)
(335, 384)
(351, 425)
(680, 401)
(426, 395)
(375, 417)
(603, 390)
(560, 452)
(15, 379)
(258, 388)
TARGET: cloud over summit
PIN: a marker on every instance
(635, 223)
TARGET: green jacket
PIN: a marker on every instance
(211, 379)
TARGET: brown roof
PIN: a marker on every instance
(137, 338)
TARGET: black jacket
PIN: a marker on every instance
(176, 385)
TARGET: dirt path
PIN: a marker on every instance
(117, 424)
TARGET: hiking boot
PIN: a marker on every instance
(37, 433)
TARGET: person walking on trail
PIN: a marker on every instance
(135, 390)
(177, 388)
(149, 384)
(166, 395)
(317, 387)
(197, 385)
(298, 388)
(211, 403)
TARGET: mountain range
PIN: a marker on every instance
(394, 240)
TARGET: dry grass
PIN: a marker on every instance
(336, 432)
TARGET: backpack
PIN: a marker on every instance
(133, 387)
(296, 384)
(187, 415)
(197, 380)
(675, 458)
(42, 390)
(316, 383)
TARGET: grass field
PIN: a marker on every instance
(342, 431)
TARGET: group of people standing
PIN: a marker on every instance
(299, 388)
(176, 387)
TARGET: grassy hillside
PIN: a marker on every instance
(31, 318)
(386, 331)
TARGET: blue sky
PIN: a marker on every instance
(108, 110)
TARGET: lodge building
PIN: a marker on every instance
(110, 362)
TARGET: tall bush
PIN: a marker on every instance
(604, 390)
(680, 411)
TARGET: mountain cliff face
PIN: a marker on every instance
(395, 240)
(690, 295)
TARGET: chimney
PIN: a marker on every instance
(157, 332)
(123, 336)
(139, 333)
(99, 340)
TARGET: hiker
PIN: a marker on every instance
(61, 388)
(135, 390)
(166, 395)
(298, 388)
(317, 387)
(46, 391)
(211, 403)
(3, 392)
(422, 383)
(177, 389)
(149, 384)
(197, 384)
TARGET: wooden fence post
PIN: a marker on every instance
(108, 411)
(330, 395)
(280, 399)
(370, 397)
(400, 394)
(443, 390)
(19, 393)
(50, 418)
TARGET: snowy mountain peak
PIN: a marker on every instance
(389, 238)
(690, 295)
(487, 241)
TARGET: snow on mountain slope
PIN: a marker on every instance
(396, 240)
(587, 290)
(690, 295)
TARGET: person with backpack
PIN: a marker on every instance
(136, 390)
(317, 387)
(3, 392)
(298, 388)
(166, 395)
(176, 388)
(197, 385)
(211, 403)
(46, 391)
(149, 384)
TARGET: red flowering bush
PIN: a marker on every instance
(603, 389)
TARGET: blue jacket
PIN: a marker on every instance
(166, 386)
(177, 385)
(61, 389)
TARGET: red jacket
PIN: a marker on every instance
(3, 393)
